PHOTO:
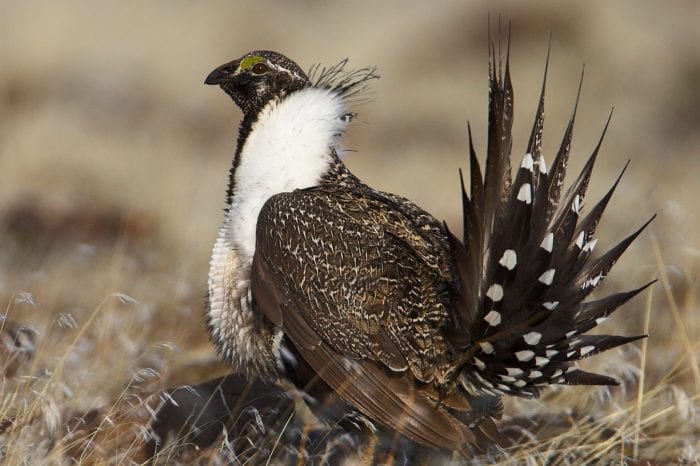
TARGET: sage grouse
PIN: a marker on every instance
(316, 274)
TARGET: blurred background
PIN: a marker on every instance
(114, 157)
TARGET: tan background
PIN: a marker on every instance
(114, 155)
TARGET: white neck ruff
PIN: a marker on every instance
(289, 147)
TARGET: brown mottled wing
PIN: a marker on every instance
(342, 290)
(370, 281)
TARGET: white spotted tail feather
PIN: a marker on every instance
(526, 264)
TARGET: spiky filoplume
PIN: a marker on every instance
(321, 279)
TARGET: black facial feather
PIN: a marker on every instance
(252, 88)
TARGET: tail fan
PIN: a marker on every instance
(526, 261)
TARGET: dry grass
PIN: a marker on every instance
(113, 161)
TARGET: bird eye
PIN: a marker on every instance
(260, 68)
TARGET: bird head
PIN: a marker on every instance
(258, 77)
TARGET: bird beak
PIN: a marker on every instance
(222, 74)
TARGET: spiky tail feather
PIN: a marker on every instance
(525, 261)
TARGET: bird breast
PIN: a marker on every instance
(290, 146)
